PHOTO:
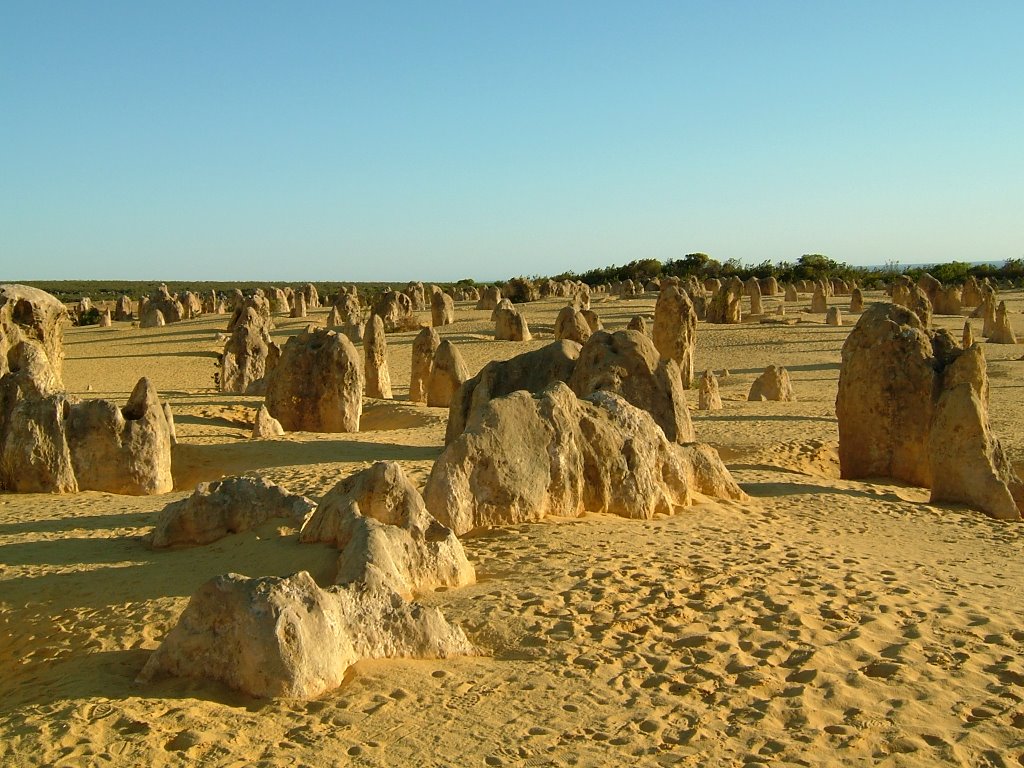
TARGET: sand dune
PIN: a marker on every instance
(821, 622)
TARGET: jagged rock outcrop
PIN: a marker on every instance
(396, 312)
(230, 505)
(249, 356)
(913, 405)
(532, 371)
(53, 443)
(168, 305)
(1002, 331)
(287, 637)
(448, 371)
(627, 363)
(265, 426)
(726, 305)
(375, 353)
(258, 303)
(378, 521)
(675, 331)
(709, 398)
(317, 386)
(773, 384)
(417, 295)
(310, 295)
(530, 456)
(423, 348)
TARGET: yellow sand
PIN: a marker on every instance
(824, 622)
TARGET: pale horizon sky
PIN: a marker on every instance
(437, 141)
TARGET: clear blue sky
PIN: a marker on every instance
(441, 140)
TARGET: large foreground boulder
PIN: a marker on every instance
(122, 450)
(53, 443)
(287, 637)
(318, 384)
(231, 505)
(912, 405)
(526, 457)
(378, 521)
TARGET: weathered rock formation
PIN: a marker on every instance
(375, 351)
(265, 425)
(1002, 331)
(448, 372)
(675, 331)
(249, 355)
(299, 307)
(423, 348)
(318, 384)
(532, 371)
(572, 325)
(726, 305)
(637, 323)
(627, 363)
(833, 316)
(53, 443)
(530, 456)
(396, 312)
(378, 520)
(287, 637)
(856, 301)
(442, 309)
(791, 294)
(123, 308)
(968, 337)
(753, 289)
(230, 505)
(773, 384)
(709, 398)
(489, 297)
(819, 299)
(913, 405)
(258, 303)
(509, 325)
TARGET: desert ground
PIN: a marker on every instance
(822, 622)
